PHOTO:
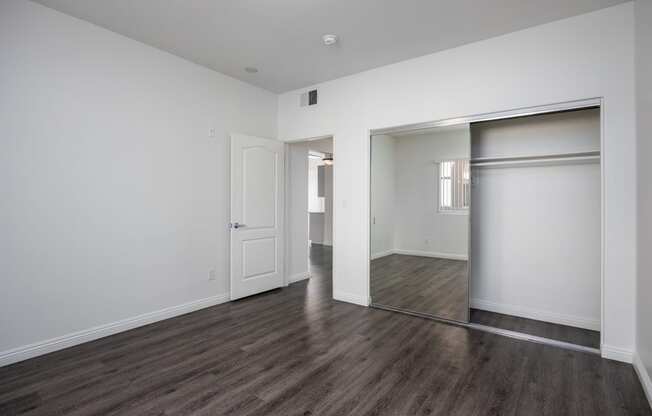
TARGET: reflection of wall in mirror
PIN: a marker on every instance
(382, 195)
(405, 216)
(420, 228)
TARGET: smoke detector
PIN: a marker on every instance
(329, 39)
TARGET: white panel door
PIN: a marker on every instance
(257, 184)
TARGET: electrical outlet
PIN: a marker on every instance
(211, 132)
(212, 275)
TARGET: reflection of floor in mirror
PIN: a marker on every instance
(557, 332)
(428, 285)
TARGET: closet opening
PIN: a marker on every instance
(493, 222)
(536, 225)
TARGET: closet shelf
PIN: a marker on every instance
(538, 160)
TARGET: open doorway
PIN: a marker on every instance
(309, 213)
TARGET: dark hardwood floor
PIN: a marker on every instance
(426, 285)
(557, 332)
(439, 287)
(295, 351)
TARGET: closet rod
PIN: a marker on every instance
(585, 157)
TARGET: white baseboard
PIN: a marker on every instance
(450, 256)
(350, 298)
(298, 277)
(617, 354)
(382, 254)
(644, 376)
(54, 344)
(537, 314)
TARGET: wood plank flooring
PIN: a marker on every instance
(295, 351)
(439, 287)
(557, 332)
(426, 285)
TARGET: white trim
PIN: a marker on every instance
(298, 277)
(603, 223)
(286, 213)
(309, 139)
(351, 298)
(450, 256)
(617, 354)
(644, 376)
(54, 344)
(382, 254)
(537, 314)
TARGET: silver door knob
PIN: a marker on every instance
(236, 225)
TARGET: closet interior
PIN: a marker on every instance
(493, 224)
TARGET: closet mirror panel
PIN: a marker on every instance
(420, 202)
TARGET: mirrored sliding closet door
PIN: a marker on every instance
(420, 202)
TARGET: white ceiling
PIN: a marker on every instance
(282, 38)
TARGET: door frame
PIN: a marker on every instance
(288, 195)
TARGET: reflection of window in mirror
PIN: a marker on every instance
(454, 183)
(316, 203)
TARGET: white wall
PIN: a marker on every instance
(419, 228)
(297, 218)
(114, 199)
(328, 200)
(545, 134)
(591, 55)
(315, 204)
(321, 221)
(317, 209)
(644, 109)
(536, 229)
(317, 227)
(383, 195)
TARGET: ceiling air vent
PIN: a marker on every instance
(308, 98)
